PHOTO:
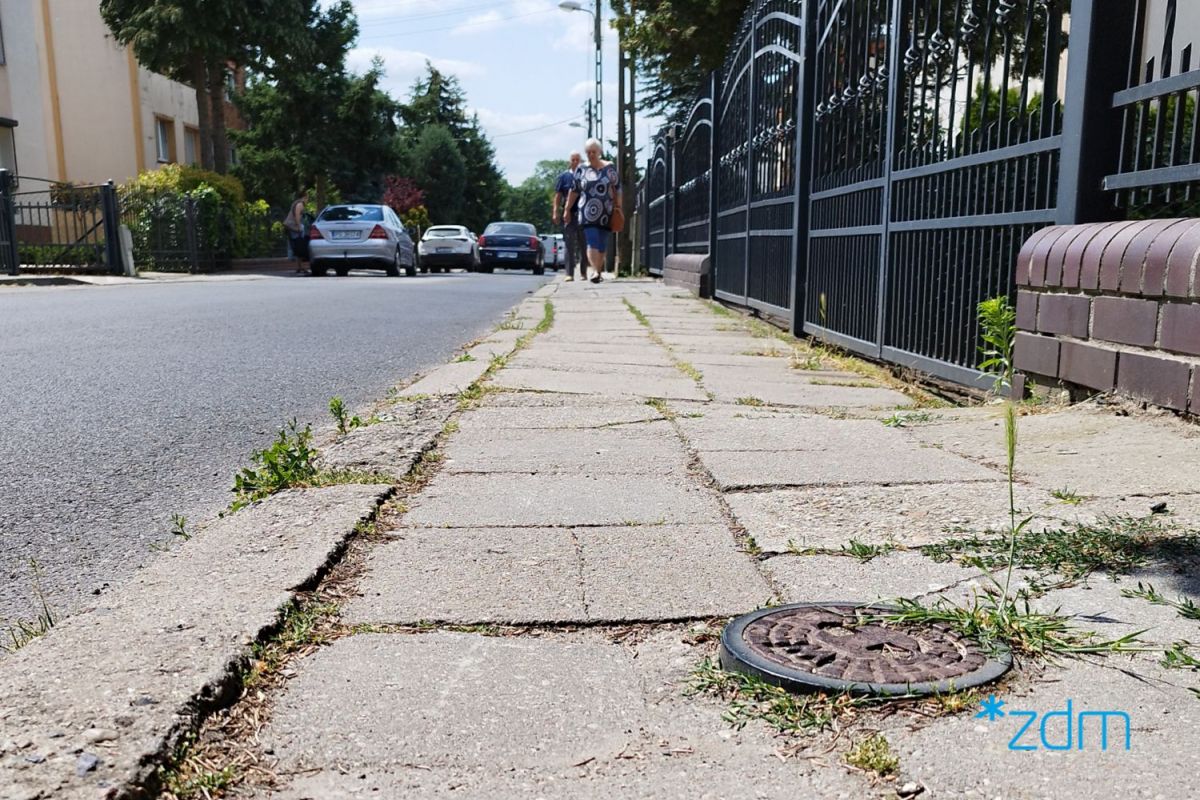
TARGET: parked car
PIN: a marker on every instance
(347, 237)
(447, 246)
(554, 250)
(511, 245)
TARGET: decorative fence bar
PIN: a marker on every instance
(876, 165)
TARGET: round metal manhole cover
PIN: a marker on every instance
(835, 646)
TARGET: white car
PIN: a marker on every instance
(446, 246)
(554, 250)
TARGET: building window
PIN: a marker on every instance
(164, 139)
(8, 145)
(191, 145)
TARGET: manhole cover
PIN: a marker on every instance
(825, 646)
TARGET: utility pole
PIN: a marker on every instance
(599, 77)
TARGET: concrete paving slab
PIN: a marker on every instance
(803, 393)
(609, 384)
(138, 663)
(754, 430)
(966, 757)
(655, 357)
(889, 463)
(475, 575)
(456, 700)
(1090, 450)
(912, 515)
(663, 572)
(819, 578)
(508, 336)
(649, 449)
(595, 414)
(469, 501)
(661, 371)
(448, 379)
(392, 445)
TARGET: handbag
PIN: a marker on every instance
(618, 220)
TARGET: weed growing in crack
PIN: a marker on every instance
(660, 405)
(463, 358)
(873, 754)
(689, 370)
(866, 552)
(1184, 606)
(202, 784)
(547, 320)
(637, 313)
(22, 632)
(1067, 496)
(810, 362)
(1178, 656)
(750, 401)
(289, 461)
(1118, 545)
(752, 546)
(749, 698)
(178, 533)
(903, 420)
(1011, 623)
(345, 423)
(301, 626)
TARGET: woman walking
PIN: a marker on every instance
(597, 190)
(294, 224)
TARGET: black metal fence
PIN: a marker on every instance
(54, 227)
(866, 170)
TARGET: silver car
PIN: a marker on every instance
(350, 237)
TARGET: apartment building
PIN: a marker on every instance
(76, 106)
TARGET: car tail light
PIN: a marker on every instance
(482, 241)
(378, 233)
(314, 233)
(535, 242)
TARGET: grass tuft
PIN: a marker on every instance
(873, 754)
(903, 420)
(1185, 606)
(750, 401)
(22, 632)
(866, 552)
(1067, 496)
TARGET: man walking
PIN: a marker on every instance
(569, 218)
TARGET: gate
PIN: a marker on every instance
(936, 140)
(657, 184)
(62, 227)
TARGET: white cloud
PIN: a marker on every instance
(480, 23)
(403, 67)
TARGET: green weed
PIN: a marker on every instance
(1067, 496)
(204, 784)
(750, 401)
(1185, 607)
(903, 420)
(289, 461)
(873, 754)
(345, 423)
(463, 358)
(22, 632)
(865, 552)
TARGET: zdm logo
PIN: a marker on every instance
(1059, 730)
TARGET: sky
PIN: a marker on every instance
(526, 67)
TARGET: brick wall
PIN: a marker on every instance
(1113, 307)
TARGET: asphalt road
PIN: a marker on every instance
(121, 405)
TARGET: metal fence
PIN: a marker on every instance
(876, 165)
(47, 226)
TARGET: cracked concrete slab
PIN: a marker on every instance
(1141, 454)
(470, 501)
(448, 379)
(802, 393)
(465, 701)
(138, 662)
(890, 463)
(967, 757)
(649, 449)
(392, 445)
(608, 384)
(472, 575)
(819, 578)
(911, 515)
(595, 414)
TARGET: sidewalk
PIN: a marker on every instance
(535, 614)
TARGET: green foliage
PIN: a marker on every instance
(1185, 606)
(22, 632)
(998, 329)
(531, 201)
(873, 754)
(344, 421)
(289, 461)
(438, 167)
(417, 219)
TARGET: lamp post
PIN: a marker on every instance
(575, 5)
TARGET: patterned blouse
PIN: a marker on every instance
(597, 190)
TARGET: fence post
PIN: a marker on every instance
(189, 214)
(714, 93)
(803, 166)
(750, 117)
(8, 224)
(1100, 65)
(110, 208)
(672, 181)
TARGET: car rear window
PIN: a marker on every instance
(352, 214)
(443, 233)
(516, 228)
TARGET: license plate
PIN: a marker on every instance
(444, 250)
(508, 255)
(344, 235)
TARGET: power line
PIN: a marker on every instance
(539, 128)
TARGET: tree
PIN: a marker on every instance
(439, 169)
(402, 194)
(438, 100)
(676, 43)
(531, 200)
(195, 41)
(310, 121)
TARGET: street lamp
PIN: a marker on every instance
(575, 5)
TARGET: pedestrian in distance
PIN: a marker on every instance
(597, 190)
(568, 217)
(293, 223)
